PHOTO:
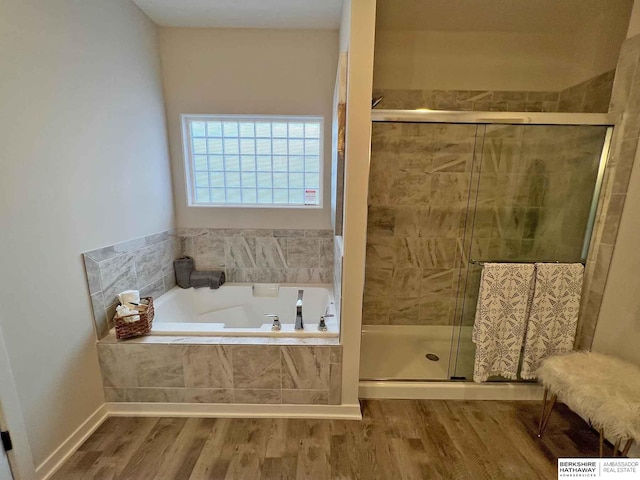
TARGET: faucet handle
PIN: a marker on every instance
(276, 321)
(327, 314)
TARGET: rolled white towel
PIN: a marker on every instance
(131, 297)
(123, 311)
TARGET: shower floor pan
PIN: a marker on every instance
(399, 352)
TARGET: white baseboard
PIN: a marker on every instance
(54, 461)
(450, 390)
(139, 409)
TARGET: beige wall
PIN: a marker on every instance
(492, 56)
(235, 71)
(84, 164)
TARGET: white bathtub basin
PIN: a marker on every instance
(234, 310)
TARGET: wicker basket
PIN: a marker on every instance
(137, 328)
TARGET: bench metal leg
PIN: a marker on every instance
(616, 447)
(547, 408)
(627, 446)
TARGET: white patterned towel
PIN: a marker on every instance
(554, 314)
(501, 317)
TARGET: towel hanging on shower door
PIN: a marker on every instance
(553, 319)
(501, 317)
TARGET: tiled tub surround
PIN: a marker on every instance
(181, 371)
(591, 96)
(145, 264)
(262, 255)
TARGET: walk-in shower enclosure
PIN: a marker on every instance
(449, 191)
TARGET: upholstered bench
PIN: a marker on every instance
(600, 388)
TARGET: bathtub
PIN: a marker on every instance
(239, 309)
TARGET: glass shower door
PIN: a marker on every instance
(532, 195)
(419, 192)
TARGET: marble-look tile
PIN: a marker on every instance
(404, 311)
(169, 281)
(154, 289)
(257, 396)
(271, 252)
(303, 246)
(438, 253)
(288, 233)
(410, 189)
(192, 232)
(318, 233)
(326, 252)
(207, 252)
(407, 221)
(380, 252)
(102, 254)
(121, 394)
(160, 366)
(156, 238)
(208, 366)
(207, 395)
(256, 275)
(256, 367)
(335, 384)
(305, 275)
(305, 368)
(161, 395)
(375, 309)
(116, 275)
(324, 274)
(380, 221)
(303, 260)
(450, 189)
(378, 281)
(612, 219)
(99, 315)
(336, 354)
(405, 282)
(93, 274)
(117, 365)
(435, 310)
(408, 252)
(240, 252)
(442, 222)
(111, 313)
(438, 281)
(305, 397)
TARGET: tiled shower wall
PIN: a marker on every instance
(418, 193)
(528, 200)
(589, 96)
(145, 264)
(209, 373)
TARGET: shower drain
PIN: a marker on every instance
(432, 356)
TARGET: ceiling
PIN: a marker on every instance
(302, 14)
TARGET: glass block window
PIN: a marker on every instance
(256, 161)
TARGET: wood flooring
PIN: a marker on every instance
(397, 439)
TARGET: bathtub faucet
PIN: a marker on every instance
(299, 322)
